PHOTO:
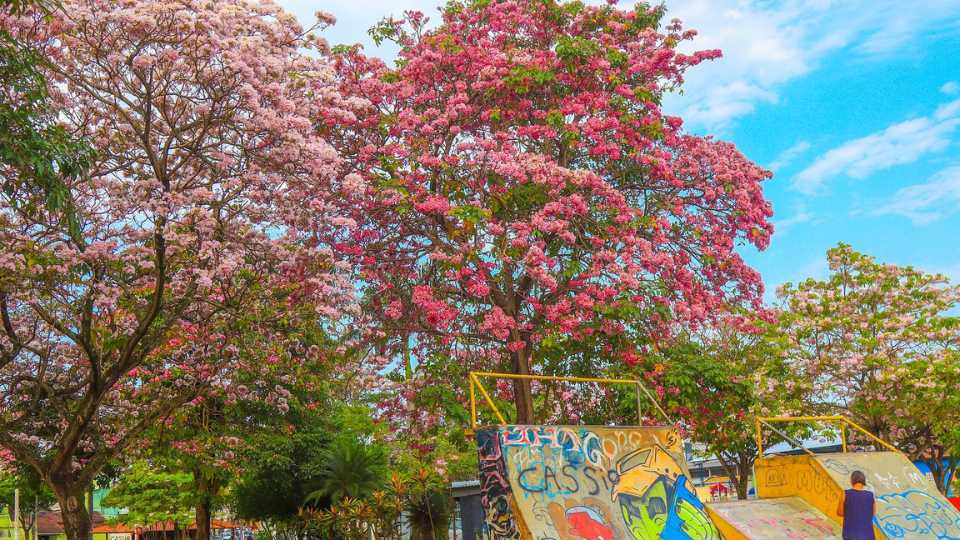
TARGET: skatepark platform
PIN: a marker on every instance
(786, 518)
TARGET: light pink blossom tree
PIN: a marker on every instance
(530, 205)
(879, 344)
(202, 117)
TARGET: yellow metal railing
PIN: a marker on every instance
(841, 421)
(477, 385)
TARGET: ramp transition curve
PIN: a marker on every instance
(909, 506)
(786, 518)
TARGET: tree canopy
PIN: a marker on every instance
(526, 197)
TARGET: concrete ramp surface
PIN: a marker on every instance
(908, 503)
(788, 518)
(588, 483)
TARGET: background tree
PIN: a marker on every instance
(351, 469)
(879, 344)
(34, 495)
(200, 114)
(530, 198)
(284, 361)
(717, 382)
(281, 472)
(155, 494)
(926, 423)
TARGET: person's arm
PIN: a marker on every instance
(840, 505)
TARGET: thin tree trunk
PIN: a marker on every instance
(522, 395)
(743, 477)
(731, 471)
(203, 520)
(76, 518)
(936, 470)
(950, 474)
(206, 490)
(942, 468)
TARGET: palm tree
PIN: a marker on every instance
(350, 469)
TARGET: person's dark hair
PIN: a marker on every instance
(857, 477)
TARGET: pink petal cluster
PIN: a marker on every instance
(529, 197)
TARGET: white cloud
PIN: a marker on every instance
(801, 216)
(950, 88)
(762, 49)
(893, 31)
(898, 144)
(924, 203)
(789, 155)
(767, 44)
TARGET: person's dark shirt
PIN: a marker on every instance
(858, 507)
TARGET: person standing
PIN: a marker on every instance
(857, 508)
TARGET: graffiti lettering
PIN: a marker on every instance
(912, 513)
(597, 483)
(588, 473)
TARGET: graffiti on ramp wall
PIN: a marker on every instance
(589, 483)
(913, 513)
(495, 494)
(908, 503)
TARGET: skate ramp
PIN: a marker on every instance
(787, 518)
(909, 506)
(588, 483)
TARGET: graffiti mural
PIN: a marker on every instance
(495, 495)
(595, 483)
(908, 503)
(913, 513)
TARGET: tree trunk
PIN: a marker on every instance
(950, 475)
(206, 490)
(203, 520)
(522, 395)
(936, 470)
(744, 468)
(942, 468)
(76, 518)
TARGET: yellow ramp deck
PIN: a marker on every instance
(787, 518)
(588, 483)
(908, 504)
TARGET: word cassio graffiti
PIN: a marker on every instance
(596, 483)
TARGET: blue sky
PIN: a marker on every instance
(855, 105)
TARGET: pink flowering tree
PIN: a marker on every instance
(529, 205)
(879, 344)
(201, 116)
(282, 360)
(716, 383)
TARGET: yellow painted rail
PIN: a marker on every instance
(477, 386)
(841, 421)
